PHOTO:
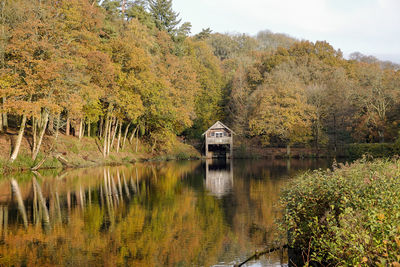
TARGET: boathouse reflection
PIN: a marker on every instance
(219, 176)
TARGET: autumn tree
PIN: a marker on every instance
(280, 110)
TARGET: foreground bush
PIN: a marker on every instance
(348, 216)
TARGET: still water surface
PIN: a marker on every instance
(192, 213)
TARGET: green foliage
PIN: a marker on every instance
(375, 150)
(347, 217)
(164, 17)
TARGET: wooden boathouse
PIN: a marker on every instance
(218, 141)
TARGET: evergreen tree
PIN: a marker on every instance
(204, 34)
(165, 18)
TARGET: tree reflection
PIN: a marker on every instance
(98, 219)
(160, 214)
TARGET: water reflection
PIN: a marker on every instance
(144, 215)
(219, 176)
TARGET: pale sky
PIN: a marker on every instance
(371, 27)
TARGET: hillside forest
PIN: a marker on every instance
(119, 70)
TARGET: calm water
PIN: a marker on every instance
(157, 214)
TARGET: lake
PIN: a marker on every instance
(189, 213)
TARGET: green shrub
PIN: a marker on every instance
(376, 150)
(182, 156)
(348, 216)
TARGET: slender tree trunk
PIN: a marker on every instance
(88, 130)
(2, 104)
(34, 133)
(133, 134)
(125, 135)
(288, 150)
(44, 120)
(109, 136)
(119, 136)
(58, 122)
(51, 124)
(19, 139)
(81, 129)
(137, 141)
(5, 121)
(114, 132)
(105, 137)
(4, 114)
(100, 132)
(68, 125)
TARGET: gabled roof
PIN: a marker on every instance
(218, 124)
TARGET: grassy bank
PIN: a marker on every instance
(346, 217)
(70, 152)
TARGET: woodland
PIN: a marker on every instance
(119, 70)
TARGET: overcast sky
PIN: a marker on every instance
(371, 27)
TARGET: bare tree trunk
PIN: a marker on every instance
(100, 132)
(114, 133)
(288, 150)
(1, 217)
(82, 129)
(119, 136)
(133, 134)
(4, 114)
(88, 130)
(34, 133)
(125, 135)
(5, 121)
(105, 137)
(137, 141)
(68, 126)
(19, 139)
(109, 137)
(51, 124)
(58, 122)
(2, 105)
(44, 120)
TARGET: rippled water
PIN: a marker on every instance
(192, 213)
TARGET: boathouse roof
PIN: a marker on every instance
(218, 125)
